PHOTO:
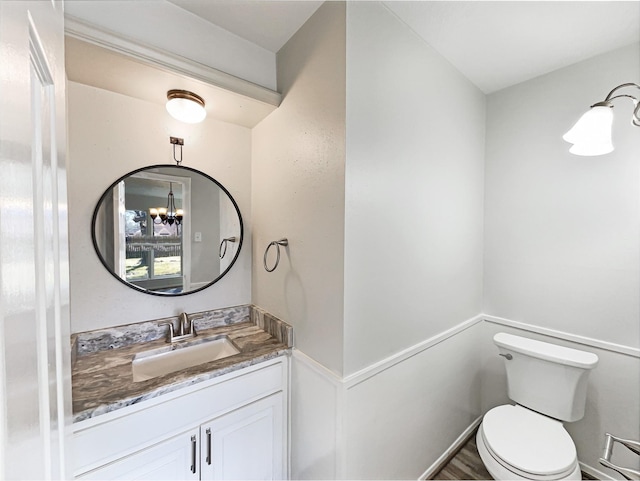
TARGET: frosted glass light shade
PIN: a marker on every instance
(591, 135)
(591, 149)
(186, 106)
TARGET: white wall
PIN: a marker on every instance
(298, 188)
(562, 231)
(414, 189)
(394, 419)
(562, 240)
(169, 28)
(378, 422)
(413, 247)
(298, 192)
(110, 135)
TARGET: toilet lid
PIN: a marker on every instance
(529, 441)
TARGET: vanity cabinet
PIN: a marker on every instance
(244, 444)
(232, 427)
(173, 459)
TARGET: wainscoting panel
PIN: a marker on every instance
(400, 421)
(316, 395)
(402, 417)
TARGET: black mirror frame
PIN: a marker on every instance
(146, 291)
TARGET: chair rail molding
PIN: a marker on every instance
(586, 341)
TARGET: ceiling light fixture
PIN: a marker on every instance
(591, 135)
(186, 106)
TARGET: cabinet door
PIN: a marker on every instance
(174, 459)
(247, 443)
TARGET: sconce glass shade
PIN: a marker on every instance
(186, 106)
(591, 135)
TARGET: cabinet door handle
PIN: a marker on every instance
(208, 446)
(193, 454)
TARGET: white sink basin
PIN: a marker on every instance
(176, 357)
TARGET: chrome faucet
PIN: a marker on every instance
(186, 329)
(185, 325)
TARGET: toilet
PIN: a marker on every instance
(527, 440)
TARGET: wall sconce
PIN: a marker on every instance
(186, 106)
(591, 135)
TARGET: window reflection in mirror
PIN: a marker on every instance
(146, 258)
(152, 233)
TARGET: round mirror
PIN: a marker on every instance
(167, 230)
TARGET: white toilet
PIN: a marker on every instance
(549, 385)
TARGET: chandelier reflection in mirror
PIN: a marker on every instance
(591, 135)
(167, 215)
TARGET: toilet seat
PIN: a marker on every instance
(527, 443)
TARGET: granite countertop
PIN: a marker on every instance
(102, 381)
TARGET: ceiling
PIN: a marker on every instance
(499, 44)
(268, 23)
(493, 43)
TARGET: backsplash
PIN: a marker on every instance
(122, 336)
(277, 328)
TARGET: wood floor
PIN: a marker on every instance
(466, 464)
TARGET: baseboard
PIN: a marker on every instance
(593, 472)
(451, 450)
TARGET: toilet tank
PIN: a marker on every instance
(544, 377)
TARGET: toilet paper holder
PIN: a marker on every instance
(605, 460)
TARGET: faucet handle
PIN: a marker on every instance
(192, 322)
(171, 331)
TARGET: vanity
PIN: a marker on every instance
(223, 419)
(209, 406)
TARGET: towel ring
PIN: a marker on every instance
(278, 243)
(222, 252)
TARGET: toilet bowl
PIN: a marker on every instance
(548, 383)
(517, 443)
